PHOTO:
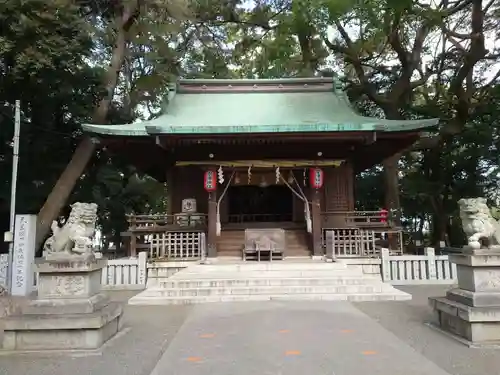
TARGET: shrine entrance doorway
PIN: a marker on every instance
(260, 204)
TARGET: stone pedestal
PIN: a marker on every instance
(472, 311)
(70, 311)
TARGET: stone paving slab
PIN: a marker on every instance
(407, 321)
(292, 338)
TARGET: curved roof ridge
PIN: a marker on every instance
(249, 81)
(259, 106)
(276, 86)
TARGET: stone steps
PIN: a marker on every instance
(264, 274)
(268, 266)
(265, 290)
(258, 281)
(266, 281)
(358, 297)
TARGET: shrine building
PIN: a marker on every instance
(265, 154)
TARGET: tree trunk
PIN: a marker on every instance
(391, 174)
(117, 240)
(85, 150)
(439, 221)
(391, 185)
(420, 229)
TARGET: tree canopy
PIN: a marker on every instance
(110, 62)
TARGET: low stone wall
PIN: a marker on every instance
(408, 269)
(369, 266)
(417, 269)
(158, 270)
(125, 274)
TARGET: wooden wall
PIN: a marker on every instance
(337, 195)
(338, 191)
(187, 182)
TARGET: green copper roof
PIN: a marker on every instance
(257, 106)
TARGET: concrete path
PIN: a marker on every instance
(166, 332)
(292, 338)
(406, 320)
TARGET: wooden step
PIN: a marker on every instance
(230, 243)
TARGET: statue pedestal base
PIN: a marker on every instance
(70, 311)
(472, 311)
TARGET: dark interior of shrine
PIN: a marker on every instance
(273, 203)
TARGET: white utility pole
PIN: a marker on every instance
(15, 160)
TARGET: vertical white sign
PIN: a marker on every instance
(24, 255)
(4, 262)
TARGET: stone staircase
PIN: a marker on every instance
(265, 281)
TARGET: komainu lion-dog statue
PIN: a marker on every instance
(74, 238)
(481, 229)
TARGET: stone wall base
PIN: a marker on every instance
(472, 311)
(70, 311)
(66, 332)
(456, 319)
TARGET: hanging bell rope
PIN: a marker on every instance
(307, 210)
(292, 189)
(303, 198)
(218, 226)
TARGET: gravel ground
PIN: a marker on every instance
(406, 321)
(148, 331)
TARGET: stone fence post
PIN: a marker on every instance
(142, 267)
(431, 263)
(385, 265)
(329, 244)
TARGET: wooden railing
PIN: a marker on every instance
(349, 219)
(258, 218)
(359, 242)
(153, 223)
(177, 246)
(144, 230)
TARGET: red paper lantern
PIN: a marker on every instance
(316, 178)
(210, 181)
(383, 215)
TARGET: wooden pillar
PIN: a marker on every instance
(316, 223)
(170, 190)
(212, 225)
(133, 245)
(133, 237)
